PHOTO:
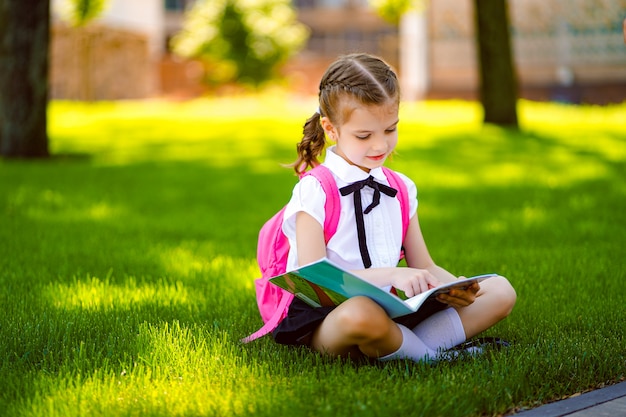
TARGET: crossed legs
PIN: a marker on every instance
(360, 327)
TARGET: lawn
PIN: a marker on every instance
(128, 260)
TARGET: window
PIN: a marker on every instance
(177, 5)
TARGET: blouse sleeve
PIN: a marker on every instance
(308, 196)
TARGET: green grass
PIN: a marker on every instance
(127, 261)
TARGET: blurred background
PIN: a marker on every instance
(563, 50)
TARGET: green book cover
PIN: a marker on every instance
(323, 283)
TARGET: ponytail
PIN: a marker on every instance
(311, 146)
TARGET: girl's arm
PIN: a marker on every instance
(417, 255)
(309, 239)
(312, 247)
(422, 273)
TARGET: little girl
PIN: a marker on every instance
(358, 110)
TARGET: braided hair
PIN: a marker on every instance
(363, 78)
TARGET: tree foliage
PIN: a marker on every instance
(392, 10)
(80, 12)
(242, 41)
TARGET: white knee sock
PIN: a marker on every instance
(441, 331)
(412, 348)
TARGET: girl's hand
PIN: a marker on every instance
(413, 281)
(460, 297)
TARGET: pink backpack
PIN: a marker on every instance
(273, 247)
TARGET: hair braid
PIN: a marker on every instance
(311, 146)
(362, 78)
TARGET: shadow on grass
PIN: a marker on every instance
(104, 254)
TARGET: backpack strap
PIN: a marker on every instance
(403, 196)
(272, 323)
(332, 206)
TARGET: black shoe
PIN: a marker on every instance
(473, 348)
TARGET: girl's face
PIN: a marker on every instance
(368, 137)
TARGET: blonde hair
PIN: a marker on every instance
(364, 78)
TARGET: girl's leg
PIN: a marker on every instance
(355, 328)
(360, 327)
(494, 302)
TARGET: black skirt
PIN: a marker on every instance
(302, 320)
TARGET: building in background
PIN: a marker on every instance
(115, 57)
(569, 50)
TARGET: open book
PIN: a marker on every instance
(323, 283)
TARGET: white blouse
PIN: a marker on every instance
(383, 225)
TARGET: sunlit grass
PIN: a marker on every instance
(215, 132)
(94, 293)
(128, 260)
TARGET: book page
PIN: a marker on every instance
(419, 299)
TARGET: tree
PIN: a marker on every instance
(241, 41)
(498, 85)
(24, 39)
(24, 60)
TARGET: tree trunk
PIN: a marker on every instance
(498, 85)
(24, 40)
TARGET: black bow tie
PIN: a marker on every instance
(358, 209)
